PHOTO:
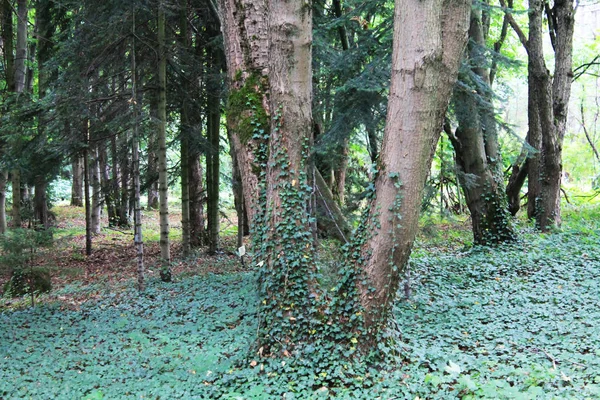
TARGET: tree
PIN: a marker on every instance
(424, 69)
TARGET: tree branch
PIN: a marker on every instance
(514, 25)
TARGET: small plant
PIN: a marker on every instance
(20, 247)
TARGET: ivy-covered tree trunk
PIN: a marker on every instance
(475, 143)
(163, 180)
(429, 40)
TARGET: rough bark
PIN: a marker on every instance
(163, 180)
(429, 39)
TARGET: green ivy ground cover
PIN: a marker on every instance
(518, 322)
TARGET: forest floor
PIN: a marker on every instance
(520, 321)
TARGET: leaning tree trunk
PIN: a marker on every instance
(476, 146)
(163, 179)
(429, 39)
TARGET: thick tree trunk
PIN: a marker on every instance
(77, 182)
(40, 203)
(429, 40)
(476, 147)
(163, 179)
(287, 244)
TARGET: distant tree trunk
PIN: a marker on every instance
(16, 198)
(123, 190)
(152, 171)
(21, 49)
(476, 146)
(106, 185)
(77, 183)
(163, 179)
(86, 191)
(96, 192)
(40, 202)
(196, 193)
(3, 180)
(114, 183)
(429, 39)
(238, 196)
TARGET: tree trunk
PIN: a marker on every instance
(106, 184)
(244, 28)
(77, 183)
(152, 171)
(287, 244)
(123, 188)
(476, 146)
(424, 70)
(330, 218)
(163, 179)
(86, 191)
(21, 53)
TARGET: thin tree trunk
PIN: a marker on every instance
(114, 183)
(105, 184)
(123, 190)
(163, 179)
(196, 193)
(86, 191)
(137, 208)
(152, 171)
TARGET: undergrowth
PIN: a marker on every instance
(520, 321)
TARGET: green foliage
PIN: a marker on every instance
(246, 110)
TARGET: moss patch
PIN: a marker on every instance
(245, 108)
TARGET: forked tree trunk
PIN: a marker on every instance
(476, 146)
(163, 179)
(429, 39)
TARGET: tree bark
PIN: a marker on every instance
(196, 193)
(429, 39)
(213, 163)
